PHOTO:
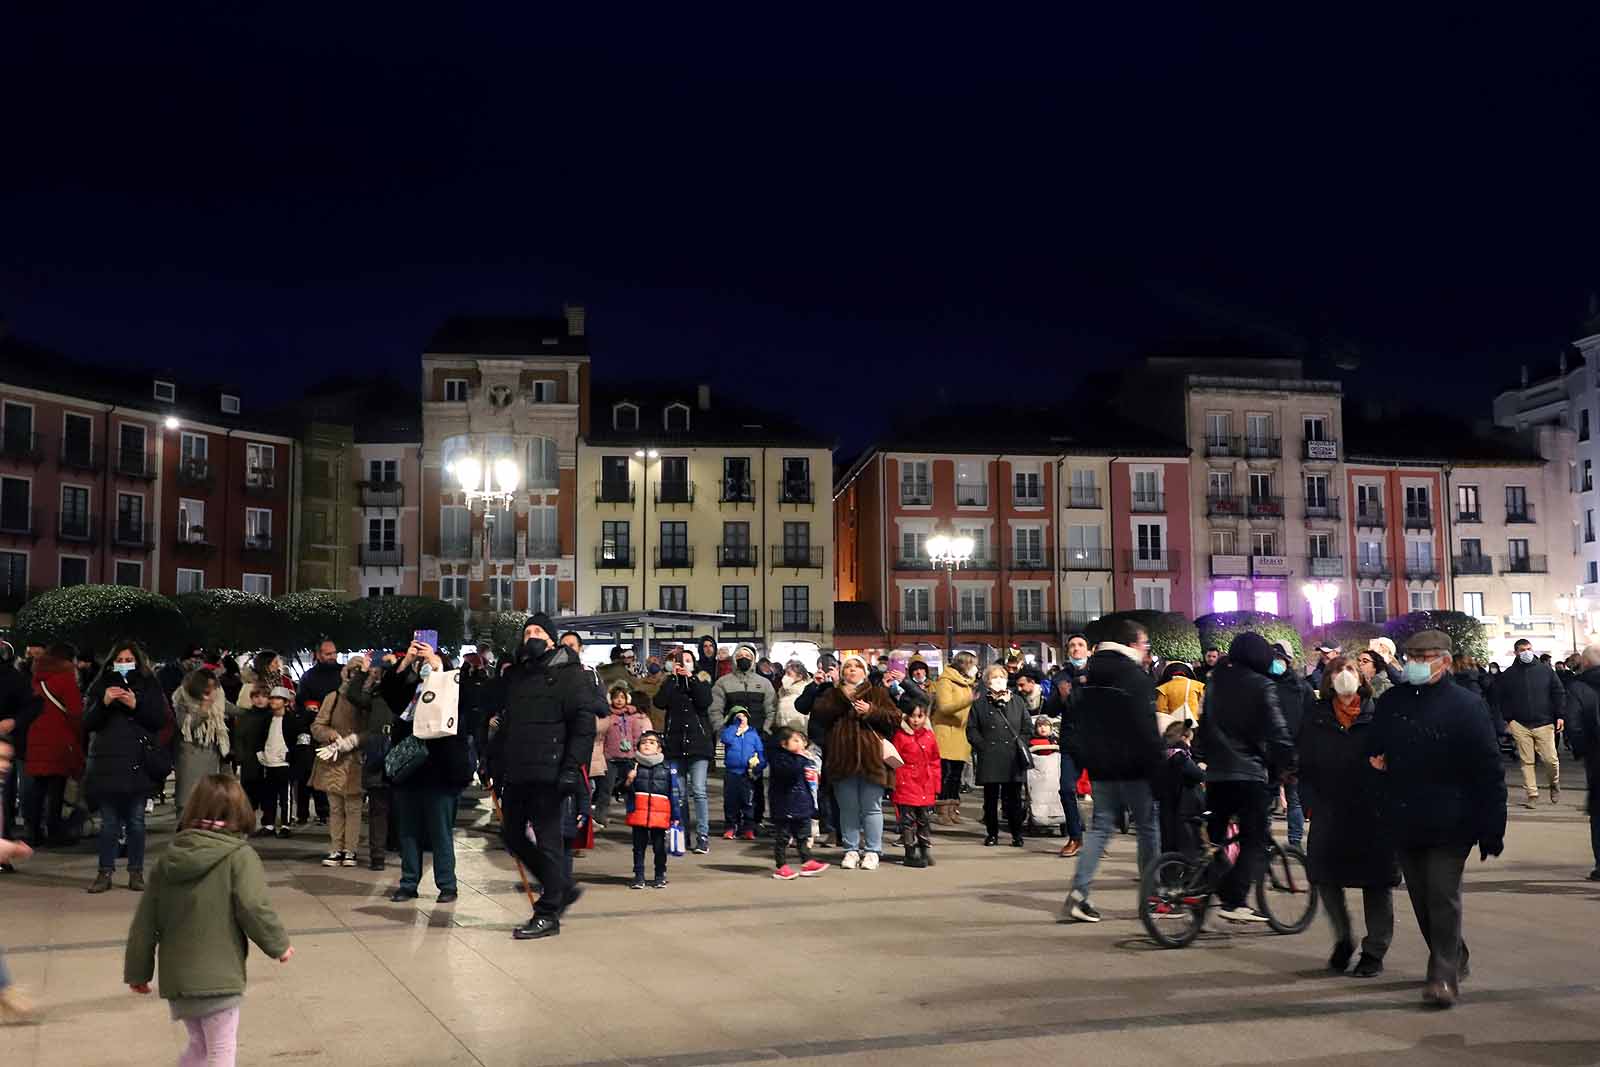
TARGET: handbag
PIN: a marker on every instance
(675, 841)
(1022, 749)
(403, 759)
(154, 759)
(891, 755)
(436, 707)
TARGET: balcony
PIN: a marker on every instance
(796, 621)
(914, 562)
(1530, 622)
(1422, 571)
(800, 557)
(19, 522)
(194, 473)
(1149, 503)
(1463, 515)
(1151, 561)
(613, 491)
(675, 492)
(1369, 516)
(1077, 621)
(540, 549)
(915, 494)
(1376, 569)
(1524, 565)
(1038, 559)
(1325, 450)
(1326, 508)
(133, 535)
(136, 463)
(82, 456)
(455, 548)
(1222, 506)
(1419, 518)
(257, 545)
(1523, 514)
(381, 555)
(260, 481)
(977, 622)
(1022, 499)
(1264, 507)
(1325, 566)
(1223, 446)
(22, 447)
(1083, 498)
(1229, 565)
(1038, 622)
(1086, 559)
(1472, 565)
(674, 557)
(737, 491)
(915, 622)
(972, 496)
(1263, 447)
(78, 529)
(382, 494)
(743, 622)
(194, 542)
(613, 558)
(796, 492)
(736, 556)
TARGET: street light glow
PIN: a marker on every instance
(469, 472)
(172, 422)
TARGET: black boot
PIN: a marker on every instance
(927, 856)
(913, 858)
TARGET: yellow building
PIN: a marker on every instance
(683, 506)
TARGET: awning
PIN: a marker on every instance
(616, 623)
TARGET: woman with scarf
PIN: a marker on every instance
(203, 741)
(856, 720)
(995, 729)
(1344, 797)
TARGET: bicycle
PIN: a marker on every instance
(1176, 890)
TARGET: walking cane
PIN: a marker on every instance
(501, 815)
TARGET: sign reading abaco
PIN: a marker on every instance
(1269, 566)
(1322, 450)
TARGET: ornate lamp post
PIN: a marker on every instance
(949, 551)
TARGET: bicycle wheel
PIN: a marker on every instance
(1284, 893)
(1173, 899)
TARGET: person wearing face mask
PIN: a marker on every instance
(123, 710)
(1350, 845)
(744, 688)
(1532, 702)
(855, 718)
(1446, 792)
(996, 725)
(691, 739)
(952, 705)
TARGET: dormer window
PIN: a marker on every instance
(625, 417)
(676, 418)
(166, 392)
(230, 404)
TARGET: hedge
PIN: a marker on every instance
(1218, 631)
(1350, 636)
(506, 632)
(1466, 632)
(387, 622)
(311, 616)
(1172, 635)
(94, 617)
(232, 619)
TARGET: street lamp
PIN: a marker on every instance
(492, 481)
(1572, 607)
(1324, 600)
(949, 551)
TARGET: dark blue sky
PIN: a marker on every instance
(817, 206)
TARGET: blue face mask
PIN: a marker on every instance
(123, 669)
(1277, 667)
(1077, 661)
(1418, 672)
(425, 670)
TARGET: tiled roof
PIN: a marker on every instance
(506, 335)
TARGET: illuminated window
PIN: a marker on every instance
(1266, 600)
(1224, 600)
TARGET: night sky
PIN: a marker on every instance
(811, 208)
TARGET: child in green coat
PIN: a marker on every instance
(205, 897)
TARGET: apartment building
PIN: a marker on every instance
(502, 389)
(110, 476)
(1397, 529)
(685, 505)
(1150, 507)
(387, 511)
(324, 550)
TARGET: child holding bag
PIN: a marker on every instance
(655, 802)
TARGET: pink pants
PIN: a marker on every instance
(213, 1040)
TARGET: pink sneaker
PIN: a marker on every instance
(812, 868)
(785, 873)
(729, 835)
(748, 835)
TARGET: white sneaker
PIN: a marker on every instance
(869, 862)
(349, 860)
(332, 859)
(851, 861)
(1242, 914)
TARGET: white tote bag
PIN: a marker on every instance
(437, 705)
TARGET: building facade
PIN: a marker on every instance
(323, 548)
(683, 506)
(387, 511)
(1397, 530)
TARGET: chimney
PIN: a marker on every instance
(575, 319)
(1524, 375)
(1563, 363)
(704, 394)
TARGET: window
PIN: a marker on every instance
(615, 486)
(1219, 425)
(230, 404)
(74, 570)
(797, 607)
(1592, 572)
(14, 574)
(1417, 502)
(1219, 483)
(797, 543)
(1258, 432)
(1471, 548)
(1472, 604)
(1369, 555)
(190, 581)
(453, 589)
(1029, 604)
(1266, 600)
(980, 543)
(375, 591)
(455, 531)
(130, 517)
(259, 584)
(544, 466)
(613, 598)
(165, 392)
(1369, 501)
(16, 420)
(74, 512)
(1588, 524)
(1319, 546)
(1419, 558)
(1028, 493)
(544, 533)
(1317, 492)
(131, 443)
(1146, 489)
(1587, 483)
(544, 391)
(736, 483)
(77, 439)
(381, 535)
(675, 419)
(1375, 605)
(1263, 543)
(674, 598)
(1224, 600)
(972, 485)
(674, 544)
(500, 527)
(16, 505)
(1083, 544)
(614, 538)
(1084, 494)
(1422, 600)
(625, 417)
(736, 602)
(501, 592)
(1260, 486)
(193, 448)
(1029, 546)
(130, 572)
(736, 543)
(1222, 542)
(259, 464)
(1085, 602)
(191, 521)
(1517, 503)
(542, 595)
(1521, 605)
(1467, 508)
(913, 545)
(383, 471)
(916, 608)
(1314, 427)
(796, 480)
(974, 606)
(1147, 538)
(1517, 549)
(674, 480)
(258, 527)
(1152, 597)
(455, 390)
(915, 487)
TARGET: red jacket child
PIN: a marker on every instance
(55, 739)
(916, 784)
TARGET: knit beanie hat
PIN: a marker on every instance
(542, 621)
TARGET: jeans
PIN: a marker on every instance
(1250, 803)
(738, 802)
(693, 774)
(1069, 798)
(213, 1039)
(860, 808)
(426, 813)
(1296, 814)
(1378, 904)
(41, 808)
(1110, 800)
(119, 811)
(1433, 880)
(545, 857)
(656, 840)
(1540, 741)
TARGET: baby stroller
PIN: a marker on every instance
(1044, 779)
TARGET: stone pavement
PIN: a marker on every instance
(956, 965)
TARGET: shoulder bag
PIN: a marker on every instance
(74, 749)
(1024, 756)
(403, 759)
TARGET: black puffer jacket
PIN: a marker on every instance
(1583, 721)
(1530, 694)
(687, 702)
(1109, 725)
(117, 733)
(547, 729)
(1242, 734)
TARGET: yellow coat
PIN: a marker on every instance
(952, 700)
(1179, 698)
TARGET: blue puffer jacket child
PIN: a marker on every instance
(790, 795)
(738, 748)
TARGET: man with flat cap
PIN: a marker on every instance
(1446, 794)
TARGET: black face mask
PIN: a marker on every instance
(535, 647)
(741, 664)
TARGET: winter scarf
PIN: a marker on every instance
(1347, 709)
(652, 760)
(203, 724)
(1132, 653)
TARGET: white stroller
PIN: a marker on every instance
(1044, 778)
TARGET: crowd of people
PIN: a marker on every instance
(1392, 760)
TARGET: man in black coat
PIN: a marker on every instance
(1246, 749)
(1109, 729)
(1446, 794)
(544, 741)
(1583, 737)
(1531, 701)
(323, 677)
(1295, 697)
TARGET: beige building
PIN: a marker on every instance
(387, 516)
(682, 506)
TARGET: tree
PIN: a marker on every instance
(1349, 636)
(388, 622)
(1219, 630)
(506, 634)
(1172, 635)
(93, 617)
(233, 619)
(1467, 634)
(312, 616)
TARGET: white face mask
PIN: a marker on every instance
(1345, 683)
(997, 685)
(1526, 655)
(971, 672)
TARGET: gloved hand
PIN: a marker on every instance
(1490, 848)
(755, 761)
(328, 753)
(570, 782)
(347, 743)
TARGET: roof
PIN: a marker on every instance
(507, 336)
(851, 619)
(1427, 438)
(724, 421)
